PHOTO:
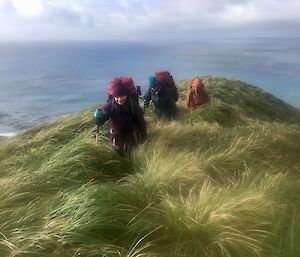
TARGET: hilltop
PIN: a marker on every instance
(221, 181)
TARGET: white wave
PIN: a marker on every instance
(10, 134)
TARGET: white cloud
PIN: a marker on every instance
(253, 12)
(28, 7)
(122, 19)
(6, 8)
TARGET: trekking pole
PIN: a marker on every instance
(97, 133)
(142, 103)
(140, 98)
(98, 114)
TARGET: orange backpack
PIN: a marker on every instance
(197, 94)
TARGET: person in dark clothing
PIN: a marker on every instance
(127, 126)
(162, 98)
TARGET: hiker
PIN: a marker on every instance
(165, 78)
(196, 94)
(162, 98)
(127, 126)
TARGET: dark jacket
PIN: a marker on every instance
(127, 126)
(163, 100)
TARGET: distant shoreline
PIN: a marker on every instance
(6, 135)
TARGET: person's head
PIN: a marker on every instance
(153, 82)
(196, 82)
(120, 94)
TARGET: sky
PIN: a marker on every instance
(146, 20)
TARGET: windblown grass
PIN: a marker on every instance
(221, 181)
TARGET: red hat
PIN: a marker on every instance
(119, 90)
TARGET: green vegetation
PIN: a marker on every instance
(221, 181)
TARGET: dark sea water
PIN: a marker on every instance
(40, 81)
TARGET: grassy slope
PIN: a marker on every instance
(222, 181)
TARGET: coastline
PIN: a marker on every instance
(4, 136)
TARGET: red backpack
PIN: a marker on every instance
(127, 82)
(166, 78)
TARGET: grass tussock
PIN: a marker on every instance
(221, 181)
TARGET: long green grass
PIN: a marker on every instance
(221, 181)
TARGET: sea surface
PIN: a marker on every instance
(41, 81)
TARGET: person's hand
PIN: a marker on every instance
(145, 103)
(98, 116)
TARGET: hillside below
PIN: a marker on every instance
(223, 180)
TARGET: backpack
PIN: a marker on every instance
(158, 97)
(197, 94)
(166, 78)
(128, 83)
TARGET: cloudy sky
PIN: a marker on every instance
(146, 19)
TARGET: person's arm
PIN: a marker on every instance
(174, 89)
(188, 99)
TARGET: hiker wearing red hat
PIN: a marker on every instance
(127, 126)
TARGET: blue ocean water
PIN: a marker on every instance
(40, 81)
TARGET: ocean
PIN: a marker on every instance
(41, 81)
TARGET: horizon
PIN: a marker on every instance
(143, 42)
